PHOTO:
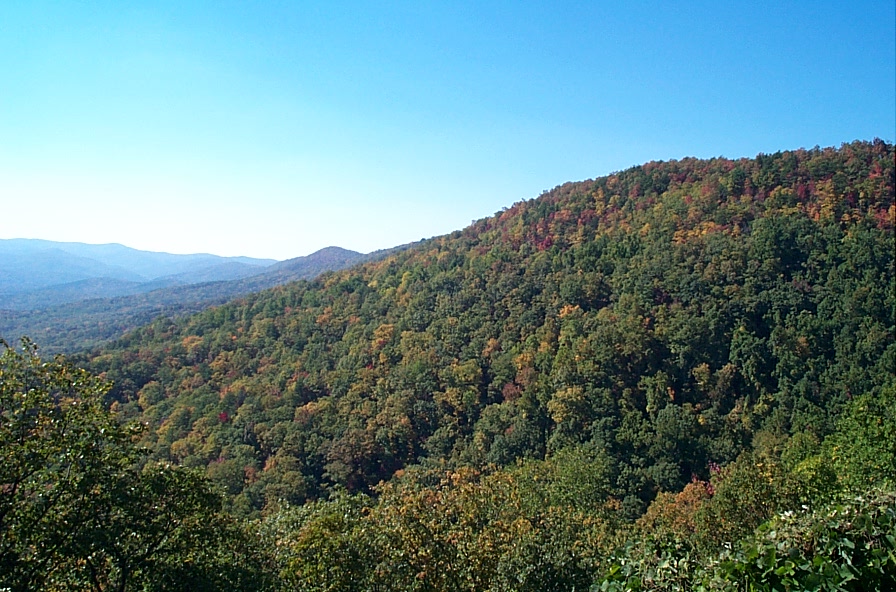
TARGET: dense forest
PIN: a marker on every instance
(679, 376)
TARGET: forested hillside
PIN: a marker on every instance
(661, 316)
(675, 376)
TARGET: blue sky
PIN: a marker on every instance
(273, 129)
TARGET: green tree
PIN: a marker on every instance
(58, 449)
(77, 511)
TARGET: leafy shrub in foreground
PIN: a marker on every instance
(848, 546)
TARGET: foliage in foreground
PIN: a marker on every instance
(470, 533)
(846, 546)
(79, 509)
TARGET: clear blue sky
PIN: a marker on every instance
(275, 128)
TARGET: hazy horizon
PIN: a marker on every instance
(118, 244)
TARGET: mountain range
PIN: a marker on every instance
(37, 273)
(71, 296)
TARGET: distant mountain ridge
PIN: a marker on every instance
(84, 322)
(39, 273)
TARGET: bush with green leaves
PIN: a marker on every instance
(849, 546)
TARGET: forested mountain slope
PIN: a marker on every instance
(660, 321)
